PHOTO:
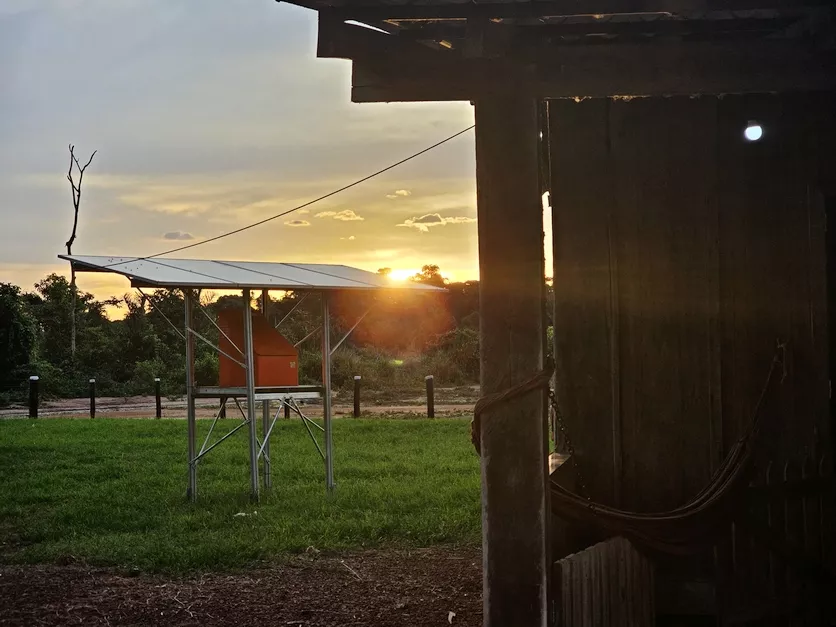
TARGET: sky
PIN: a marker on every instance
(208, 116)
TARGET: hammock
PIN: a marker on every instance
(685, 530)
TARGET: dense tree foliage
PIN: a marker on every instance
(403, 336)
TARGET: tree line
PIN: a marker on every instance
(404, 336)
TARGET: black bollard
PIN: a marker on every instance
(92, 398)
(33, 397)
(430, 396)
(159, 400)
(357, 396)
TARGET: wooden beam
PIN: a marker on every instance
(514, 436)
(373, 10)
(454, 30)
(605, 71)
(338, 40)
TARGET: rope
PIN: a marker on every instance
(486, 403)
(681, 531)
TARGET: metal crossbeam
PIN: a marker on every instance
(309, 335)
(294, 308)
(220, 330)
(217, 348)
(159, 311)
(350, 331)
(204, 453)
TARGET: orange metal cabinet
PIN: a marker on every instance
(276, 360)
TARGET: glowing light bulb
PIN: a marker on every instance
(753, 132)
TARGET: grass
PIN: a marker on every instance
(112, 492)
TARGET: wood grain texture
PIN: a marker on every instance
(702, 250)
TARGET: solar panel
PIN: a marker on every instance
(221, 274)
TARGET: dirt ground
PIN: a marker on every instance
(371, 588)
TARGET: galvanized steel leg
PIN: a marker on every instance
(326, 393)
(265, 407)
(190, 405)
(249, 359)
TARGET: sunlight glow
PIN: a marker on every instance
(402, 274)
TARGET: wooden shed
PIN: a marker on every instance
(691, 256)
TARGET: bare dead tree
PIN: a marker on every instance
(76, 192)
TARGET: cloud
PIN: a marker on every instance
(400, 193)
(347, 215)
(350, 238)
(304, 212)
(297, 223)
(178, 235)
(424, 223)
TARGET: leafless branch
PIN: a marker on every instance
(76, 191)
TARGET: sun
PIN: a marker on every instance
(401, 274)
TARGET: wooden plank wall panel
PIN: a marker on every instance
(717, 251)
(772, 266)
(749, 290)
(581, 198)
(818, 150)
(663, 153)
(609, 583)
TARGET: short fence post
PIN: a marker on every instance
(286, 409)
(33, 396)
(92, 398)
(157, 394)
(430, 396)
(357, 396)
(222, 410)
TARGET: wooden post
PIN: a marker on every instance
(286, 411)
(357, 396)
(33, 396)
(514, 436)
(430, 396)
(92, 398)
(159, 402)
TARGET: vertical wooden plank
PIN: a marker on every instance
(582, 199)
(514, 437)
(566, 610)
(760, 555)
(777, 518)
(663, 155)
(793, 525)
(828, 519)
(812, 509)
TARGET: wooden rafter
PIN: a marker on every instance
(371, 10)
(391, 68)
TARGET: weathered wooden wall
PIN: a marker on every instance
(682, 253)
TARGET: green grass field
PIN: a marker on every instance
(112, 492)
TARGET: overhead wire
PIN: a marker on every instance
(303, 205)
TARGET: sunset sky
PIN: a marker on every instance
(207, 116)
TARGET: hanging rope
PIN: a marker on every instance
(684, 530)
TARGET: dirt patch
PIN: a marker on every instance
(372, 588)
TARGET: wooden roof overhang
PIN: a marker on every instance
(437, 50)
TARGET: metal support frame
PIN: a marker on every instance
(349, 332)
(294, 308)
(265, 407)
(250, 361)
(190, 404)
(259, 449)
(326, 392)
